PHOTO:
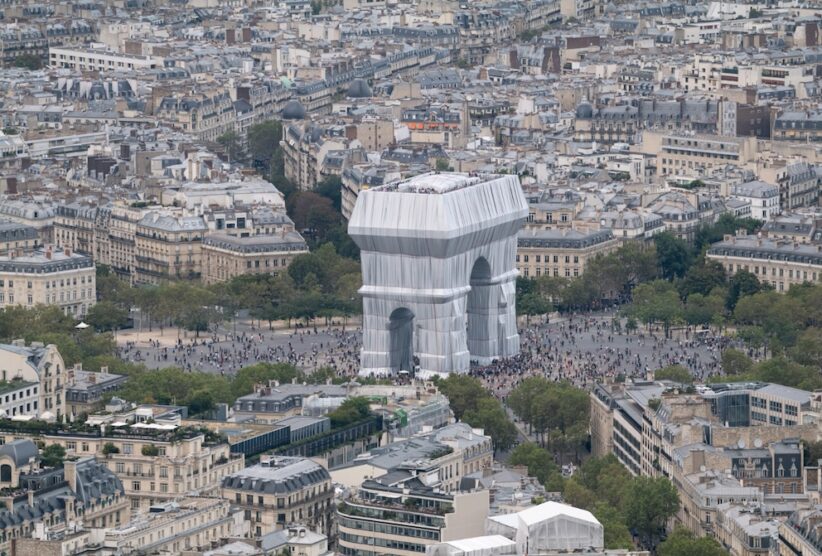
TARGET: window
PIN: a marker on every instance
(135, 486)
(120, 467)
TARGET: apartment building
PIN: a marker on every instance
(81, 491)
(800, 227)
(156, 463)
(21, 40)
(763, 198)
(393, 514)
(270, 403)
(97, 59)
(442, 457)
(694, 155)
(41, 367)
(188, 524)
(305, 150)
(168, 246)
(798, 126)
(280, 491)
(701, 493)
(47, 276)
(797, 180)
(644, 423)
(39, 215)
(684, 212)
(86, 390)
(801, 533)
(225, 256)
(622, 123)
(781, 263)
(206, 115)
(17, 237)
(560, 252)
(746, 530)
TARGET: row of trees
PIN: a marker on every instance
(557, 412)
(201, 391)
(621, 502)
(613, 277)
(317, 284)
(471, 403)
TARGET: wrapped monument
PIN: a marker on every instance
(438, 271)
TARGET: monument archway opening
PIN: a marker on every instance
(401, 327)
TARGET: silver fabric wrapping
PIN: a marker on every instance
(438, 271)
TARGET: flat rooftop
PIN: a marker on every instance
(435, 183)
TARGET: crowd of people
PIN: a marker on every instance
(582, 349)
(305, 348)
(588, 349)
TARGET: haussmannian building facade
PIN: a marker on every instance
(48, 277)
(280, 491)
(157, 467)
(780, 263)
(560, 252)
(225, 256)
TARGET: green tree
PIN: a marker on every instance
(649, 504)
(264, 142)
(616, 533)
(351, 411)
(813, 452)
(673, 255)
(490, 416)
(314, 215)
(656, 301)
(232, 144)
(735, 362)
(106, 315)
(578, 495)
(331, 188)
(110, 448)
(53, 455)
(741, 284)
(704, 309)
(28, 61)
(675, 373)
(442, 165)
(702, 278)
(533, 304)
(808, 348)
(557, 411)
(463, 393)
(540, 465)
(261, 373)
(683, 543)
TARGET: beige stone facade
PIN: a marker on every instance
(155, 468)
(168, 247)
(49, 277)
(40, 365)
(780, 263)
(690, 154)
(280, 491)
(561, 253)
(226, 257)
(188, 524)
